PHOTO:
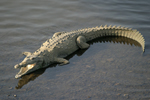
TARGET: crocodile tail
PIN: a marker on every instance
(95, 32)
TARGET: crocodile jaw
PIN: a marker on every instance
(26, 70)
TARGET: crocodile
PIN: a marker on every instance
(62, 44)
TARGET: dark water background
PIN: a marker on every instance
(106, 71)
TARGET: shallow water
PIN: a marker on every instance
(106, 71)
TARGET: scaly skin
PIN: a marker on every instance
(63, 44)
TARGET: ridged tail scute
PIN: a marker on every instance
(102, 31)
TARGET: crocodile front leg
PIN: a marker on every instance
(57, 34)
(81, 42)
(62, 61)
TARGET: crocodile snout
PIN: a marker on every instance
(16, 66)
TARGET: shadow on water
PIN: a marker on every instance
(32, 76)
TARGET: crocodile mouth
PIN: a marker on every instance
(25, 70)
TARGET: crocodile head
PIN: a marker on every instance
(29, 64)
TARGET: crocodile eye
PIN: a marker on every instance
(32, 58)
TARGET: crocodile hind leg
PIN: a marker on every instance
(81, 42)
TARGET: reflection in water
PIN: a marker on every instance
(114, 39)
(32, 76)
